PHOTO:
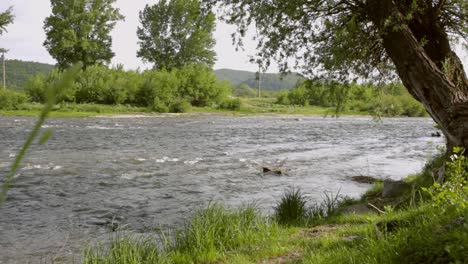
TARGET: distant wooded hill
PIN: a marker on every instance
(270, 81)
(18, 72)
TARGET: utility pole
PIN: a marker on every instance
(3, 51)
(259, 81)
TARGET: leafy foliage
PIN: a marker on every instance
(79, 30)
(243, 90)
(386, 100)
(160, 91)
(453, 193)
(231, 104)
(333, 37)
(6, 18)
(200, 86)
(11, 100)
(175, 33)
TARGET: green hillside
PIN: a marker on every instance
(18, 72)
(270, 81)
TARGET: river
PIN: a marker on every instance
(153, 171)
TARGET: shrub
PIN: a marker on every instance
(200, 85)
(231, 104)
(411, 107)
(243, 90)
(11, 100)
(452, 194)
(92, 85)
(297, 96)
(159, 106)
(35, 88)
(180, 106)
(158, 90)
(283, 98)
(64, 94)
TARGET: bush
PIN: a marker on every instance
(159, 90)
(92, 85)
(35, 88)
(231, 104)
(200, 85)
(180, 106)
(297, 96)
(283, 98)
(11, 100)
(159, 106)
(452, 194)
(411, 107)
(65, 94)
(243, 90)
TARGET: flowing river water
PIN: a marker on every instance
(154, 171)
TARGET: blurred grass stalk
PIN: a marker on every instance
(52, 94)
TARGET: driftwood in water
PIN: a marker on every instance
(363, 179)
(276, 171)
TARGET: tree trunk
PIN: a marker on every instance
(438, 82)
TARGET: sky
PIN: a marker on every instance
(25, 37)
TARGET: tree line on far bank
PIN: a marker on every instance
(160, 91)
(382, 100)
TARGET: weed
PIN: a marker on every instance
(291, 209)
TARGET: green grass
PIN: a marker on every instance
(74, 110)
(249, 106)
(419, 238)
(256, 106)
(213, 234)
(291, 209)
(220, 235)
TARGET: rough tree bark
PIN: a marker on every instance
(433, 74)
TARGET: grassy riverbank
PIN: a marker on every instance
(74, 110)
(417, 226)
(249, 106)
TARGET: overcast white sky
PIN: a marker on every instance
(25, 37)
